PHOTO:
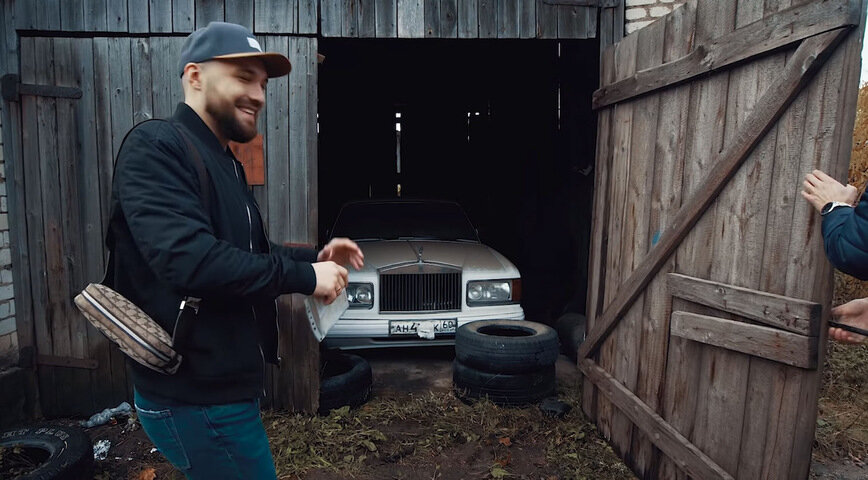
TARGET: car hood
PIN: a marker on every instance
(468, 256)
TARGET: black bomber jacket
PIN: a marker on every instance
(167, 247)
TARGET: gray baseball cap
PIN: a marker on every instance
(225, 41)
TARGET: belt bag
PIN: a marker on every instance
(138, 335)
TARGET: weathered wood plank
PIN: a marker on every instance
(643, 170)
(772, 32)
(599, 225)
(116, 15)
(331, 18)
(411, 19)
(625, 65)
(367, 19)
(765, 342)
(432, 18)
(160, 12)
(32, 190)
(667, 438)
(805, 62)
(508, 21)
(527, 19)
(487, 18)
(72, 15)
(48, 15)
(276, 136)
(468, 23)
(308, 18)
(75, 386)
(547, 20)
(138, 21)
(143, 102)
(183, 16)
(791, 314)
(350, 25)
(25, 15)
(572, 22)
(242, 12)
(115, 381)
(163, 68)
(94, 15)
(275, 16)
(208, 11)
(449, 18)
(91, 220)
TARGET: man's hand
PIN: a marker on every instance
(342, 251)
(820, 189)
(853, 313)
(331, 279)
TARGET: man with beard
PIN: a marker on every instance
(183, 235)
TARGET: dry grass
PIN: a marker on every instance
(842, 425)
(415, 430)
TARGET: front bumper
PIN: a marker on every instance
(355, 333)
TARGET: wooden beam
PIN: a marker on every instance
(758, 38)
(806, 60)
(790, 314)
(56, 361)
(669, 440)
(766, 342)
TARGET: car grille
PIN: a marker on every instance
(420, 292)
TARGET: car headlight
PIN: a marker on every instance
(360, 295)
(492, 292)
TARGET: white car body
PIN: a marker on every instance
(370, 327)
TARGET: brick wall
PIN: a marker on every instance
(640, 13)
(8, 335)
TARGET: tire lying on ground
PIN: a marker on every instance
(61, 452)
(506, 346)
(345, 379)
(571, 332)
(504, 389)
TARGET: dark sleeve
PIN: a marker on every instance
(845, 231)
(301, 254)
(158, 191)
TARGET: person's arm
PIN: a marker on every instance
(296, 253)
(159, 195)
(845, 229)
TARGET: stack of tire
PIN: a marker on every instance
(345, 379)
(510, 362)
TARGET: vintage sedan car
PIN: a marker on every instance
(426, 274)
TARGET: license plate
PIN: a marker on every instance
(411, 327)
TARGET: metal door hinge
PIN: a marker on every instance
(12, 89)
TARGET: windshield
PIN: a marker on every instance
(404, 220)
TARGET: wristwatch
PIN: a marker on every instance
(833, 205)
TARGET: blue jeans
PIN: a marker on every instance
(209, 441)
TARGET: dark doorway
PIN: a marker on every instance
(504, 127)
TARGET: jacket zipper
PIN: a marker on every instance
(250, 243)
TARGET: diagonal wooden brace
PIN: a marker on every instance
(807, 59)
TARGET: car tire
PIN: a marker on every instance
(571, 332)
(506, 346)
(345, 379)
(69, 451)
(504, 389)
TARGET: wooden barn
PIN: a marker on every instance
(651, 181)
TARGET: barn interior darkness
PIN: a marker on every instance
(503, 127)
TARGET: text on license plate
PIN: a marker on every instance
(411, 327)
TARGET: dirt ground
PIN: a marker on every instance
(430, 435)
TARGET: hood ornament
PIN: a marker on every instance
(419, 255)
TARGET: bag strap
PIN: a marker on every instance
(204, 187)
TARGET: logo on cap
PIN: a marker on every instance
(253, 43)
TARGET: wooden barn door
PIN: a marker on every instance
(63, 182)
(709, 290)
